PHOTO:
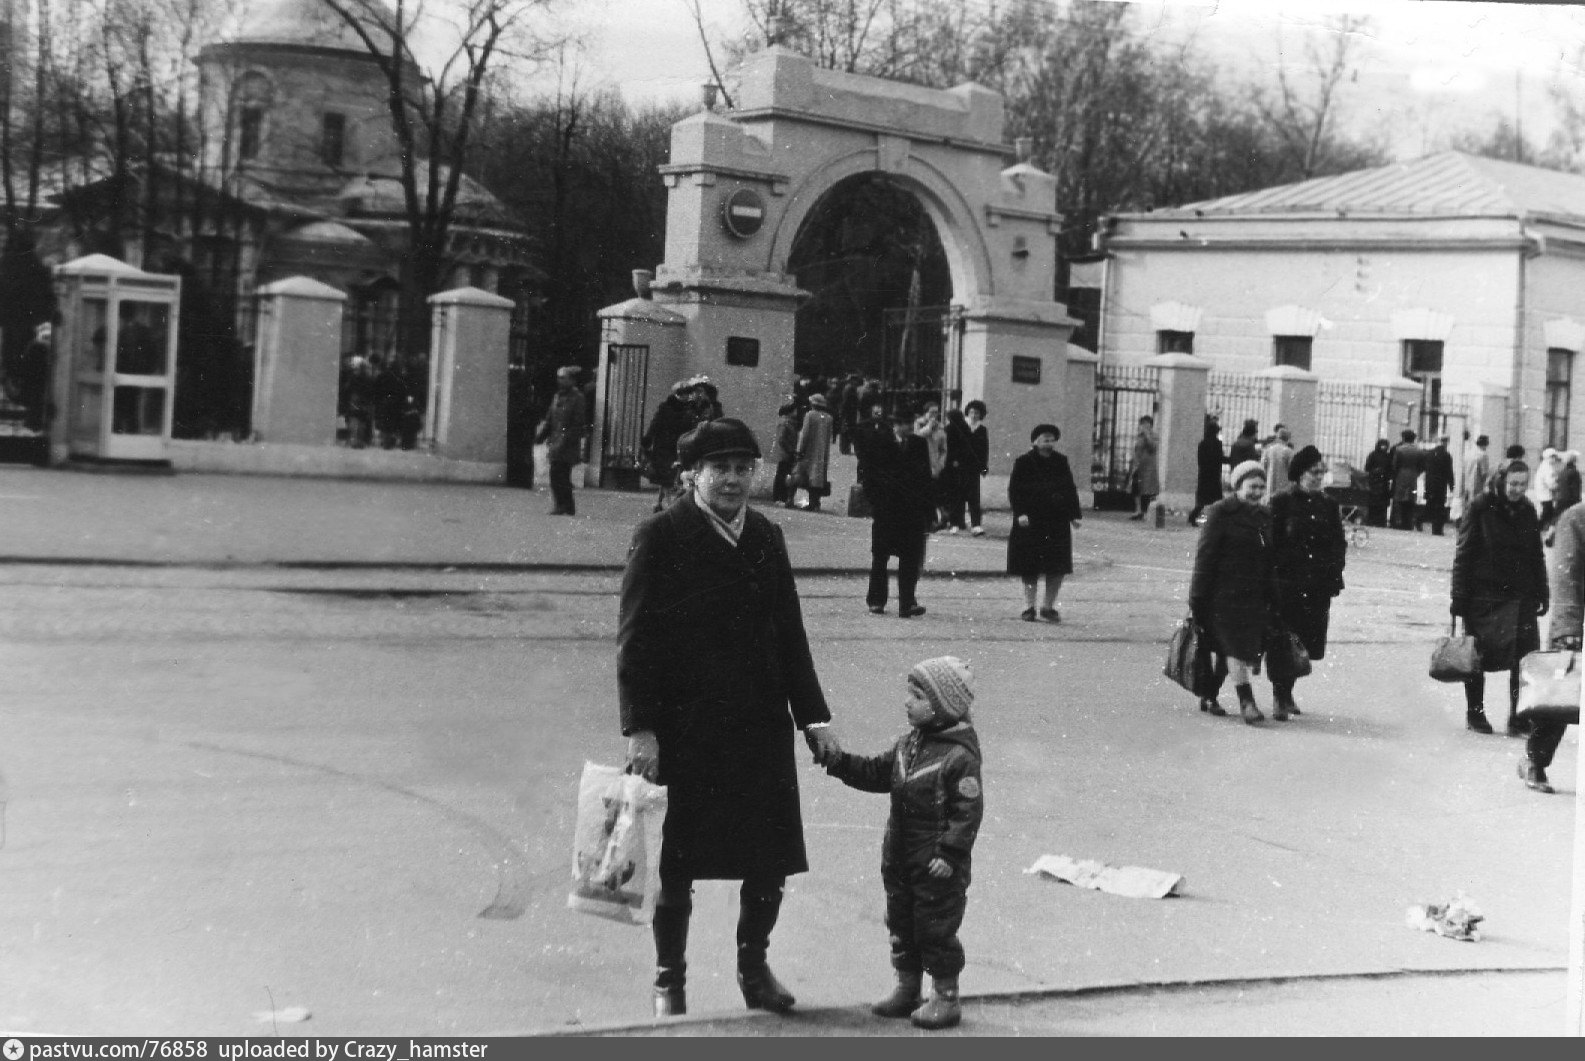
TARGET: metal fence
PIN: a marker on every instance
(626, 383)
(1348, 419)
(1123, 393)
(1233, 397)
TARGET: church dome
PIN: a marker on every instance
(308, 23)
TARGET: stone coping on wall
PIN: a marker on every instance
(334, 462)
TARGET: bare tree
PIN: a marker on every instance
(1306, 115)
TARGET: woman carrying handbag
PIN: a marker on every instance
(1568, 589)
(1499, 586)
(1309, 552)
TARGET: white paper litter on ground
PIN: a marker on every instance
(1136, 882)
(1456, 918)
(289, 1015)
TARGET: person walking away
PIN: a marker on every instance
(932, 773)
(1544, 486)
(1147, 476)
(1308, 555)
(960, 473)
(1208, 463)
(714, 672)
(1408, 461)
(850, 411)
(812, 472)
(784, 452)
(979, 463)
(1232, 589)
(1046, 511)
(1567, 493)
(1499, 586)
(1476, 471)
(1275, 459)
(1246, 446)
(1568, 591)
(1438, 484)
(674, 417)
(900, 489)
(873, 431)
(562, 433)
(1378, 474)
(928, 427)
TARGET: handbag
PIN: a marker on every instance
(859, 502)
(1549, 687)
(1189, 658)
(616, 845)
(1286, 658)
(1455, 657)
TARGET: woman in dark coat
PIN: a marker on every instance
(1378, 472)
(1309, 551)
(1045, 506)
(959, 472)
(713, 674)
(1209, 460)
(1500, 586)
(1232, 589)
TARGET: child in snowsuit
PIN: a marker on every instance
(933, 775)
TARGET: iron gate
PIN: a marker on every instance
(921, 357)
(1123, 393)
(626, 379)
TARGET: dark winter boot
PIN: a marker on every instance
(1534, 777)
(761, 989)
(1246, 705)
(942, 1010)
(1281, 701)
(905, 997)
(1475, 719)
(670, 928)
(1209, 705)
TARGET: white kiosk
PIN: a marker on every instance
(115, 375)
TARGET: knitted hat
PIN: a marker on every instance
(1244, 471)
(1303, 461)
(947, 683)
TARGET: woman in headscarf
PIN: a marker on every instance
(1309, 550)
(1499, 586)
(1230, 594)
(1046, 509)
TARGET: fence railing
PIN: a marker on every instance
(1348, 419)
(1233, 397)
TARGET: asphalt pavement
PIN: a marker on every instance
(161, 634)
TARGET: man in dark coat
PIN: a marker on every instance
(1246, 447)
(1378, 475)
(1408, 461)
(713, 674)
(1208, 461)
(870, 435)
(562, 433)
(902, 500)
(1439, 476)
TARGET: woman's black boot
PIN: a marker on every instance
(761, 989)
(1246, 705)
(1209, 705)
(671, 968)
(1475, 707)
(1282, 704)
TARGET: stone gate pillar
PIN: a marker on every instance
(297, 362)
(643, 351)
(1292, 402)
(1180, 421)
(470, 333)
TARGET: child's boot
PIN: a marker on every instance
(905, 997)
(942, 1010)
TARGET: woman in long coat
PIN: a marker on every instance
(784, 451)
(1232, 590)
(1309, 551)
(713, 674)
(1499, 586)
(1045, 507)
(961, 472)
(814, 454)
(1147, 480)
(1378, 473)
(1209, 461)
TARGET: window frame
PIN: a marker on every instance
(1169, 341)
(1558, 391)
(1300, 352)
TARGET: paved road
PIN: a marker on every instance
(255, 764)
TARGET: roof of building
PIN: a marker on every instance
(309, 23)
(1443, 184)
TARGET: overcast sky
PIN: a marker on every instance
(1426, 68)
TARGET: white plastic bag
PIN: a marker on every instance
(616, 845)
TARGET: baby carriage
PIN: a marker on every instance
(1350, 488)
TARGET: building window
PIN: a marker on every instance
(1559, 378)
(1292, 350)
(1422, 362)
(332, 139)
(1168, 342)
(251, 130)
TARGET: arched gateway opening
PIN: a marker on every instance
(757, 196)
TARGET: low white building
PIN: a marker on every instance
(1464, 274)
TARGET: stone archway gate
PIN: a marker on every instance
(740, 187)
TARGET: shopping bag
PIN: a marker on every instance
(1455, 658)
(616, 845)
(1189, 658)
(1286, 658)
(1549, 687)
(858, 502)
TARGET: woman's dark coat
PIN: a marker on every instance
(1499, 577)
(1233, 586)
(1208, 484)
(1309, 551)
(1378, 471)
(1042, 489)
(711, 654)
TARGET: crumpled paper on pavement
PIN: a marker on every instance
(1456, 918)
(1136, 882)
